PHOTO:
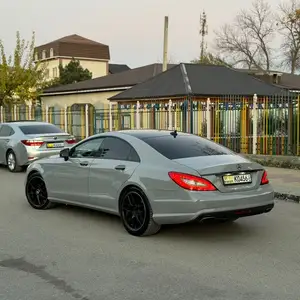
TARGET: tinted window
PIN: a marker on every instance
(89, 148)
(185, 146)
(6, 131)
(114, 148)
(40, 129)
(133, 156)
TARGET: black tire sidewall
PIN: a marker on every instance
(144, 228)
(36, 175)
(15, 168)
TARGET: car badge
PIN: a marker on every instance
(239, 167)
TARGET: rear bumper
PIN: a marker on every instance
(238, 213)
(236, 205)
(221, 213)
(35, 155)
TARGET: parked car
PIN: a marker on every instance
(150, 178)
(24, 142)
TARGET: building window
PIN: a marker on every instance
(275, 78)
(51, 52)
(47, 73)
(54, 71)
(36, 56)
(44, 54)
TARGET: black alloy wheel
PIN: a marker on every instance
(136, 213)
(36, 192)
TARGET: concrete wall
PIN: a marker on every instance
(96, 99)
(97, 67)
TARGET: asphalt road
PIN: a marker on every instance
(71, 253)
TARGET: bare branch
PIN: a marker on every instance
(289, 28)
(248, 39)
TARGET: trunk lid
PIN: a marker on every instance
(214, 167)
(52, 141)
(49, 137)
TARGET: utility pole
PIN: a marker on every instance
(165, 53)
(203, 32)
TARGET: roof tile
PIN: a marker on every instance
(201, 80)
(123, 79)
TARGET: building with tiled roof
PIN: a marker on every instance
(92, 55)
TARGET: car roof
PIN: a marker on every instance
(25, 123)
(148, 133)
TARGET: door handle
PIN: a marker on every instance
(84, 163)
(120, 167)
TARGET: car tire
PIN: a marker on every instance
(36, 192)
(12, 163)
(140, 207)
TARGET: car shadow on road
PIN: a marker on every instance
(5, 169)
(210, 231)
(245, 228)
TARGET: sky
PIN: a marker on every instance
(133, 29)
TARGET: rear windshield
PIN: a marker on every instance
(184, 146)
(40, 129)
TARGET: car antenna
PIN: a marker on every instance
(174, 133)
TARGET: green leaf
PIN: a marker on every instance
(21, 79)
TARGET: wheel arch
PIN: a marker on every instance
(33, 172)
(127, 188)
(34, 169)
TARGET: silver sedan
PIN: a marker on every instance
(23, 142)
(150, 178)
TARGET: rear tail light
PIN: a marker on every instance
(191, 182)
(32, 143)
(264, 179)
(71, 141)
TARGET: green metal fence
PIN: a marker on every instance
(250, 125)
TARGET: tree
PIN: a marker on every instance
(289, 27)
(247, 40)
(210, 59)
(73, 72)
(21, 79)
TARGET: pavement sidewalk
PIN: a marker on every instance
(286, 183)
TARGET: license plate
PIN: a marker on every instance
(237, 179)
(55, 145)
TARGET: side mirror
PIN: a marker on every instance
(65, 153)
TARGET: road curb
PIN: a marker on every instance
(287, 197)
(276, 161)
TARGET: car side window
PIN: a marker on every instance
(116, 148)
(6, 131)
(90, 148)
(133, 156)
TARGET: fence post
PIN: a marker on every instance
(66, 118)
(254, 113)
(29, 111)
(175, 116)
(86, 120)
(15, 112)
(208, 119)
(47, 114)
(138, 120)
(110, 116)
(1, 114)
(170, 115)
